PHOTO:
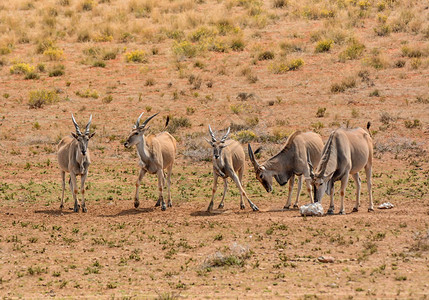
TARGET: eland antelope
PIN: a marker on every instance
(290, 161)
(73, 157)
(347, 151)
(228, 160)
(156, 153)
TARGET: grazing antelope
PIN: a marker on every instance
(73, 157)
(346, 152)
(156, 153)
(228, 160)
(290, 161)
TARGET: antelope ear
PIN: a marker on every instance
(91, 135)
(74, 135)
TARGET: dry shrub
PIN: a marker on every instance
(353, 51)
(39, 98)
(284, 66)
(347, 83)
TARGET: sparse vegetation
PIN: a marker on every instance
(39, 98)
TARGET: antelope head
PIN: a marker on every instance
(138, 131)
(264, 176)
(217, 145)
(82, 138)
(320, 184)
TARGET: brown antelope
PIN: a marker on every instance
(73, 157)
(346, 152)
(228, 160)
(290, 161)
(156, 153)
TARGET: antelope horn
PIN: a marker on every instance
(226, 135)
(138, 120)
(87, 125)
(212, 134)
(252, 157)
(148, 119)
(77, 126)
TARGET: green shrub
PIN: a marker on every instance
(53, 53)
(137, 56)
(285, 66)
(44, 45)
(412, 52)
(413, 124)
(185, 49)
(323, 46)
(21, 68)
(39, 98)
(88, 93)
(266, 55)
(32, 75)
(353, 51)
(245, 136)
(107, 99)
(347, 83)
(237, 44)
(280, 3)
(57, 70)
(201, 34)
(321, 112)
(99, 64)
(176, 123)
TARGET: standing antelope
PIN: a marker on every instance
(156, 153)
(73, 157)
(346, 152)
(228, 159)
(290, 161)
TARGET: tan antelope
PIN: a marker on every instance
(347, 151)
(156, 153)
(290, 161)
(228, 160)
(73, 157)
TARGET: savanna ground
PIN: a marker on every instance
(265, 68)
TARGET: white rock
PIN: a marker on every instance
(386, 205)
(312, 209)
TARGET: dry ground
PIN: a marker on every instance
(225, 63)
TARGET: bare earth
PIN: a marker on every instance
(117, 251)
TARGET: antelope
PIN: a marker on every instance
(156, 153)
(228, 160)
(73, 157)
(290, 161)
(347, 151)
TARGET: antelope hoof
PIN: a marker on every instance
(61, 206)
(158, 203)
(163, 207)
(170, 204)
(370, 209)
(295, 206)
(330, 211)
(136, 204)
(76, 208)
(286, 207)
(355, 209)
(220, 206)
(255, 208)
(84, 209)
(342, 212)
(242, 206)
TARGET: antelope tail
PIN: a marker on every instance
(368, 125)
(166, 122)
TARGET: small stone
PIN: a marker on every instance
(326, 259)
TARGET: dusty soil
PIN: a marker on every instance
(115, 250)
